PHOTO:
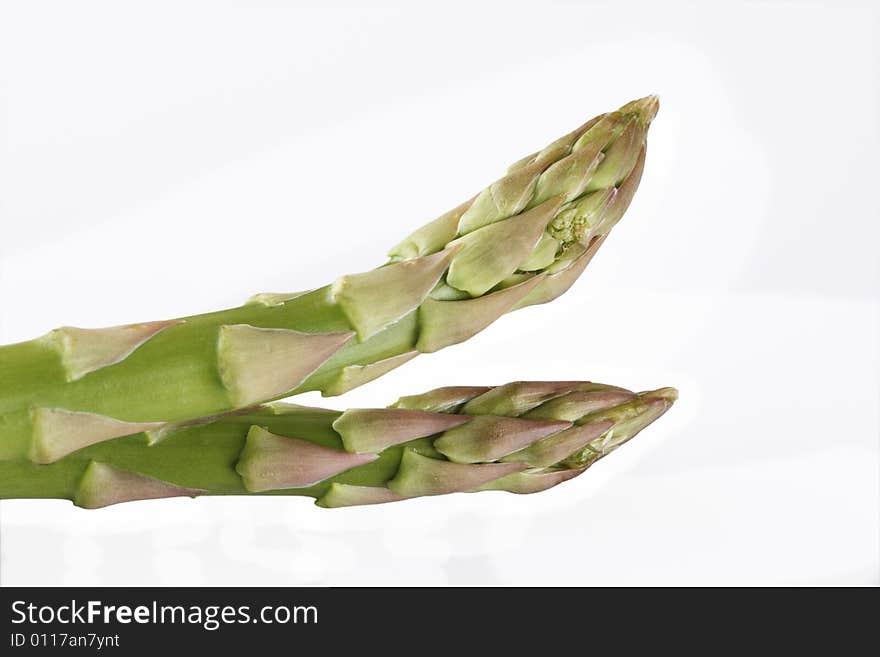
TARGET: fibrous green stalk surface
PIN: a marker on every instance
(521, 437)
(523, 240)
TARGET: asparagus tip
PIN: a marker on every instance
(668, 395)
(645, 107)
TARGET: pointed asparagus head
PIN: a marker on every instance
(521, 437)
(541, 223)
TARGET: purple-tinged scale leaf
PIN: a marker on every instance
(574, 405)
(487, 438)
(620, 158)
(514, 399)
(432, 237)
(272, 462)
(421, 475)
(56, 432)
(569, 176)
(258, 364)
(444, 323)
(494, 252)
(560, 446)
(104, 485)
(88, 350)
(502, 199)
(559, 148)
(366, 430)
(623, 196)
(365, 298)
(557, 284)
(441, 400)
(341, 495)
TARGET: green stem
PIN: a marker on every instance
(520, 437)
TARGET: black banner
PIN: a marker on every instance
(128, 621)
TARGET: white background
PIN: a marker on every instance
(176, 158)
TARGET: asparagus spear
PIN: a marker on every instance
(520, 437)
(523, 240)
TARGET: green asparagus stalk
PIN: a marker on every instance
(523, 240)
(520, 437)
